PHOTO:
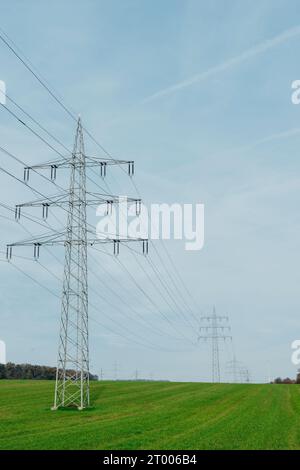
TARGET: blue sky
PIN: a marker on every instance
(199, 95)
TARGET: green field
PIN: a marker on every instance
(152, 415)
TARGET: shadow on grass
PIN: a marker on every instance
(72, 410)
(95, 393)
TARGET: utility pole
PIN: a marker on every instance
(72, 377)
(136, 375)
(212, 329)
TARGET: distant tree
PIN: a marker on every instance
(2, 371)
(288, 381)
(30, 372)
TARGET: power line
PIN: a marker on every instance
(153, 303)
(144, 320)
(71, 114)
(140, 340)
(177, 308)
(116, 282)
(49, 200)
(72, 379)
(106, 327)
(36, 134)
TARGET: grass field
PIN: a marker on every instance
(152, 415)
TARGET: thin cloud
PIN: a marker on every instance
(249, 53)
(265, 140)
(278, 136)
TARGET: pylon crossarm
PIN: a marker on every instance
(108, 161)
(62, 200)
(217, 317)
(212, 327)
(61, 240)
(41, 240)
(102, 198)
(117, 241)
(57, 240)
(95, 241)
(213, 337)
(36, 243)
(52, 166)
(55, 163)
(58, 201)
(101, 163)
(90, 162)
(51, 200)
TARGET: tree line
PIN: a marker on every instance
(288, 381)
(29, 371)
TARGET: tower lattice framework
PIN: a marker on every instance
(72, 376)
(213, 329)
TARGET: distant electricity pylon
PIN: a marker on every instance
(212, 329)
(72, 378)
(245, 375)
(238, 371)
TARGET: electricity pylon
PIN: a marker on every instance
(213, 326)
(72, 377)
(233, 368)
(238, 371)
(245, 375)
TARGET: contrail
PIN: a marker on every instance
(252, 52)
(278, 136)
(265, 140)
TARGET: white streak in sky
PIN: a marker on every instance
(249, 53)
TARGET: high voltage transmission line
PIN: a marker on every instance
(213, 329)
(37, 221)
(54, 166)
(174, 277)
(72, 379)
(62, 164)
(170, 289)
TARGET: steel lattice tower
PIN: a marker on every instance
(238, 371)
(213, 326)
(72, 377)
(215, 349)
